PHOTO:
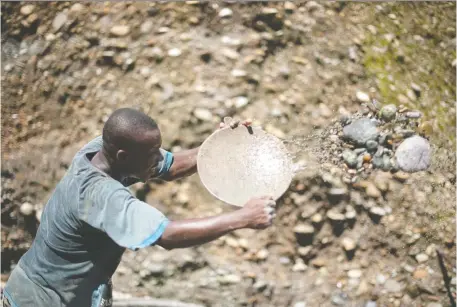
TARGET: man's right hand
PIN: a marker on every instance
(259, 212)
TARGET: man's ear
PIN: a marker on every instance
(121, 155)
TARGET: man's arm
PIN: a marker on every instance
(257, 214)
(184, 164)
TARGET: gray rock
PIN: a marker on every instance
(350, 158)
(359, 162)
(300, 304)
(146, 26)
(434, 304)
(353, 53)
(383, 138)
(406, 133)
(59, 21)
(229, 279)
(345, 120)
(361, 131)
(393, 286)
(359, 151)
(370, 304)
(260, 285)
(386, 164)
(371, 145)
(380, 279)
(284, 260)
(413, 114)
(339, 299)
(413, 154)
(388, 112)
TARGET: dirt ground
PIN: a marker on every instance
(294, 68)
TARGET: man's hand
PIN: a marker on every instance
(259, 212)
(228, 121)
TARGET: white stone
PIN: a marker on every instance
(355, 273)
(175, 52)
(362, 97)
(241, 101)
(380, 279)
(299, 266)
(27, 9)
(26, 209)
(237, 73)
(77, 7)
(59, 21)
(225, 12)
(421, 258)
(203, 114)
(120, 30)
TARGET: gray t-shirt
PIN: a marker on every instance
(85, 228)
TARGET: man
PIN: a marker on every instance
(91, 217)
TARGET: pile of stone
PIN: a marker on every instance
(389, 139)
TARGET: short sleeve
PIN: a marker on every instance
(166, 162)
(108, 206)
(93, 146)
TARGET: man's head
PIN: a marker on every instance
(131, 142)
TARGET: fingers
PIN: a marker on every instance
(271, 203)
(233, 123)
(247, 122)
(269, 210)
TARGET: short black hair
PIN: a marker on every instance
(124, 125)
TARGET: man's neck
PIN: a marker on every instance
(101, 162)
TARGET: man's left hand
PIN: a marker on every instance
(234, 123)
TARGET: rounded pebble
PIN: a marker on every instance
(26, 209)
(413, 154)
(388, 112)
(361, 131)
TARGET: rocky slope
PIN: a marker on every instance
(296, 69)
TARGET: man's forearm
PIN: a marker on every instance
(186, 233)
(184, 164)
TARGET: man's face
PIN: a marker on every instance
(144, 160)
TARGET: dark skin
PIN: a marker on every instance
(141, 163)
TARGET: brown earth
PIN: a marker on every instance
(66, 67)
